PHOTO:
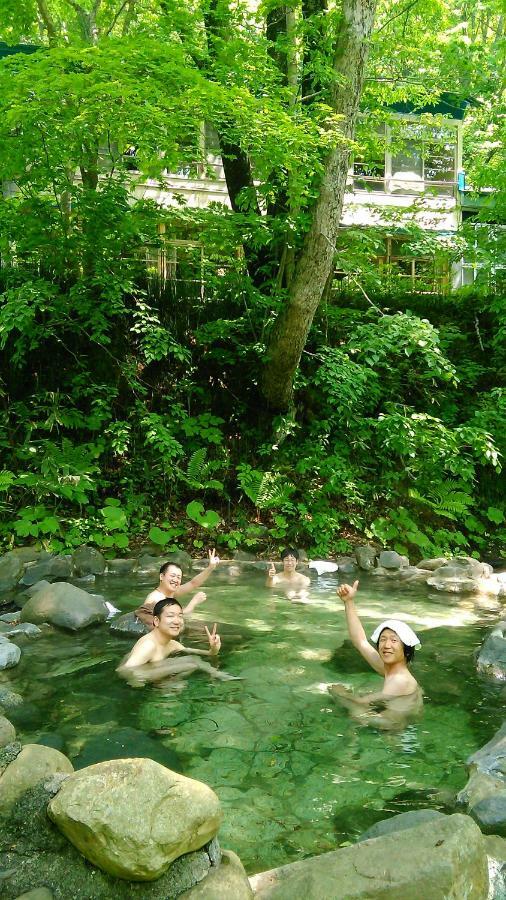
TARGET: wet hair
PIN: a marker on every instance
(409, 652)
(290, 551)
(161, 604)
(166, 565)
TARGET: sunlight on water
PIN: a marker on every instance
(294, 774)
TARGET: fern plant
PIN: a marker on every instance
(446, 499)
(265, 489)
(199, 471)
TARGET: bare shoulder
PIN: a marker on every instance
(153, 597)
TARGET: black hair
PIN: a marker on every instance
(290, 551)
(409, 652)
(166, 565)
(161, 604)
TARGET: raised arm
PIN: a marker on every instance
(195, 601)
(356, 629)
(271, 576)
(199, 579)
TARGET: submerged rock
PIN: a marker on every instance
(128, 624)
(485, 792)
(491, 658)
(122, 742)
(410, 819)
(442, 858)
(64, 605)
(133, 817)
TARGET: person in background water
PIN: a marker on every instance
(170, 587)
(293, 583)
(391, 649)
(148, 659)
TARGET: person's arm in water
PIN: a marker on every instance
(214, 644)
(199, 579)
(356, 630)
(271, 579)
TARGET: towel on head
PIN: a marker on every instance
(403, 631)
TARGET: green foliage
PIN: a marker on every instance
(208, 518)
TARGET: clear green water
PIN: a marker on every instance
(294, 774)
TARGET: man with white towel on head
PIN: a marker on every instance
(389, 653)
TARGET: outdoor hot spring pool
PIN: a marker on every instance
(295, 775)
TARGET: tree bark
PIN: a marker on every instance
(315, 261)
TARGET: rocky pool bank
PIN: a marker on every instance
(129, 828)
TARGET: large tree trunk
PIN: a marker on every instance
(314, 264)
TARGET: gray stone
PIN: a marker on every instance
(10, 618)
(11, 570)
(128, 624)
(61, 567)
(22, 598)
(479, 786)
(492, 655)
(433, 564)
(491, 758)
(413, 573)
(24, 628)
(389, 559)
(121, 566)
(7, 732)
(443, 858)
(366, 556)
(133, 817)
(9, 700)
(149, 565)
(410, 819)
(10, 654)
(64, 605)
(88, 561)
(228, 881)
(29, 554)
(38, 572)
(33, 763)
(347, 565)
(490, 814)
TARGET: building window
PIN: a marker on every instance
(416, 158)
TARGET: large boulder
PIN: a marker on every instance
(88, 561)
(133, 817)
(34, 852)
(41, 571)
(33, 763)
(463, 574)
(389, 559)
(64, 605)
(433, 563)
(228, 881)
(121, 566)
(485, 792)
(10, 654)
(11, 570)
(366, 557)
(491, 658)
(443, 858)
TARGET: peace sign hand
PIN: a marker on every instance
(214, 560)
(214, 639)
